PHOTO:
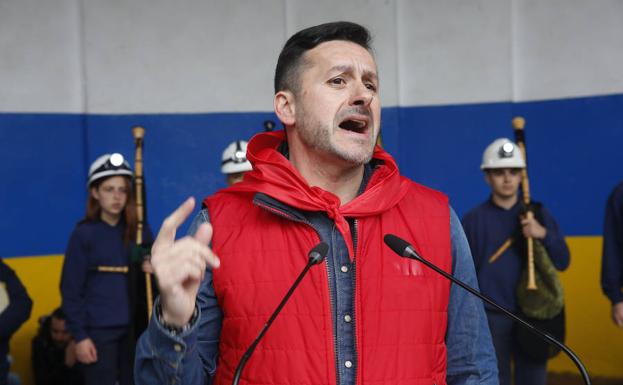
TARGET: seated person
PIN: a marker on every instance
(54, 353)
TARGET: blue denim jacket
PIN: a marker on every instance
(190, 358)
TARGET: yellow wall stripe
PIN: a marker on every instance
(590, 331)
(41, 276)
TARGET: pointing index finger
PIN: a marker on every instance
(166, 235)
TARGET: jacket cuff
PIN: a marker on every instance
(79, 335)
(616, 297)
(172, 346)
(548, 239)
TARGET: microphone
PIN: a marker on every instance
(315, 256)
(404, 249)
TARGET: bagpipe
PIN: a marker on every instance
(141, 284)
(540, 296)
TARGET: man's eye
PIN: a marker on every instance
(337, 81)
(371, 87)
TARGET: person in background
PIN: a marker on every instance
(366, 316)
(612, 256)
(488, 226)
(54, 353)
(234, 163)
(94, 282)
(15, 307)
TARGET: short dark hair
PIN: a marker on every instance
(59, 314)
(289, 62)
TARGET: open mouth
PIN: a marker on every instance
(359, 126)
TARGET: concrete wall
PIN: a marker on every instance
(76, 75)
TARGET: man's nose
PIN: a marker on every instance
(361, 95)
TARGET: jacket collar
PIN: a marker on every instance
(274, 175)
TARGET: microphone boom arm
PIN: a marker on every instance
(402, 248)
(316, 255)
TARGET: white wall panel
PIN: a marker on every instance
(378, 16)
(454, 51)
(157, 56)
(568, 48)
(40, 56)
(181, 56)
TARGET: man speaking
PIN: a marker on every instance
(364, 315)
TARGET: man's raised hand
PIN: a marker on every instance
(180, 265)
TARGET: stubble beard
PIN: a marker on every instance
(317, 136)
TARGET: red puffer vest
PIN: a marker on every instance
(400, 305)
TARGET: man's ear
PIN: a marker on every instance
(285, 107)
(94, 193)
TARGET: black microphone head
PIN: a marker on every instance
(317, 254)
(398, 245)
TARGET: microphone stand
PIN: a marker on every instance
(404, 249)
(316, 255)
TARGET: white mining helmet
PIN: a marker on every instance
(234, 158)
(502, 153)
(108, 165)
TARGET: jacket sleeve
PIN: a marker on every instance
(471, 356)
(73, 281)
(187, 358)
(20, 304)
(554, 241)
(612, 255)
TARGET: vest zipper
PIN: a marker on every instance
(285, 215)
(354, 278)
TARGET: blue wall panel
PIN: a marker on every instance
(182, 153)
(441, 147)
(575, 157)
(573, 150)
(41, 198)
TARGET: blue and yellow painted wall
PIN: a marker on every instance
(197, 75)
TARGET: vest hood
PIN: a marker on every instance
(274, 175)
